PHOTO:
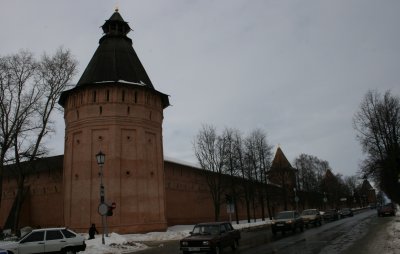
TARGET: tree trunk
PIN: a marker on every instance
(19, 201)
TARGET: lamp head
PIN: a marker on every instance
(100, 158)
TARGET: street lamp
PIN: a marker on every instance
(325, 200)
(103, 208)
(296, 198)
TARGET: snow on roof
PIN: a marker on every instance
(185, 163)
(141, 83)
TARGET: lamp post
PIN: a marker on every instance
(100, 158)
(325, 200)
(296, 198)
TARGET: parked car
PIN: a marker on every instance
(345, 212)
(311, 216)
(331, 215)
(48, 240)
(388, 209)
(210, 237)
(287, 220)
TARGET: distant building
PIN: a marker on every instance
(283, 174)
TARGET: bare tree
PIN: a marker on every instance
(232, 168)
(310, 172)
(259, 155)
(210, 150)
(18, 95)
(378, 125)
(50, 76)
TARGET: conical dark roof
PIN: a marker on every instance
(115, 60)
(280, 161)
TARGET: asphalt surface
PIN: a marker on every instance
(349, 235)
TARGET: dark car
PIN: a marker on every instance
(287, 220)
(311, 217)
(387, 209)
(345, 212)
(210, 237)
(331, 215)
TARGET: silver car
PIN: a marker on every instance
(47, 240)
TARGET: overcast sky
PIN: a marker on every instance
(296, 69)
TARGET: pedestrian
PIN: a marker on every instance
(92, 231)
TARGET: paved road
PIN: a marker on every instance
(330, 238)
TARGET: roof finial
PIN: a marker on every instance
(116, 6)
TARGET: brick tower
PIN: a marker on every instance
(114, 108)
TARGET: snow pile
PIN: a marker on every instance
(114, 243)
(393, 243)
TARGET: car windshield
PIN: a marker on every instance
(206, 230)
(284, 215)
(309, 212)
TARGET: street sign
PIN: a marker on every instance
(103, 209)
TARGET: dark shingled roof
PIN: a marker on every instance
(115, 61)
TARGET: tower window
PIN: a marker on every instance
(101, 110)
(108, 95)
(135, 97)
(94, 96)
(128, 110)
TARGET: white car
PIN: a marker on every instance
(47, 240)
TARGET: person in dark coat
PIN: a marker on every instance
(92, 231)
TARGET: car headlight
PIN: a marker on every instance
(184, 243)
(272, 222)
(206, 243)
(289, 222)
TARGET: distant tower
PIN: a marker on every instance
(114, 108)
(282, 173)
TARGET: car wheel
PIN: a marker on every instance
(302, 228)
(235, 244)
(294, 229)
(69, 251)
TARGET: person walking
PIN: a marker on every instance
(92, 231)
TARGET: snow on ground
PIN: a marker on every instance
(119, 244)
(393, 242)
